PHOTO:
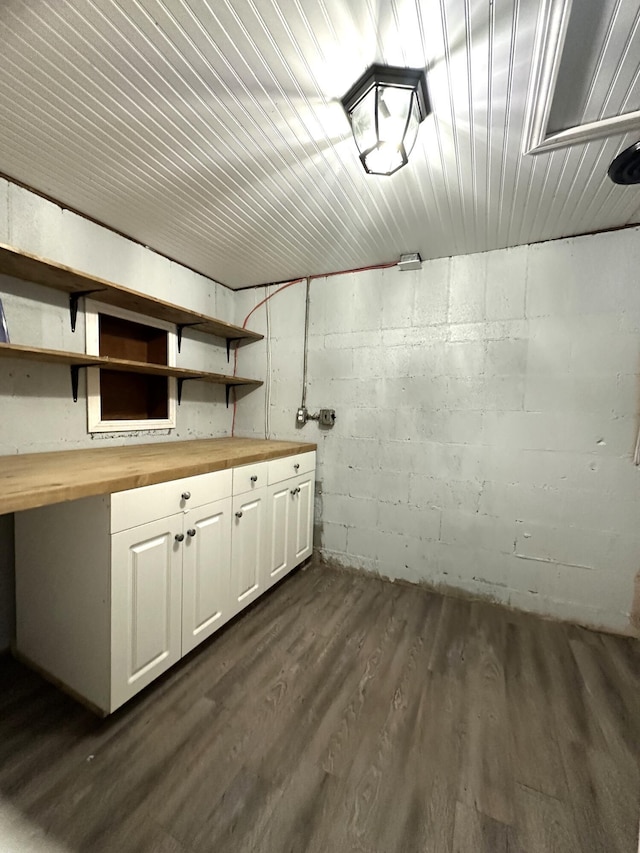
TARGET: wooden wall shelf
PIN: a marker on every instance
(28, 267)
(77, 360)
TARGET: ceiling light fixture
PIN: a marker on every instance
(385, 107)
(625, 169)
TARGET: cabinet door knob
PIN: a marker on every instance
(179, 537)
(239, 514)
(293, 491)
(297, 490)
(186, 496)
(192, 531)
(254, 478)
(296, 466)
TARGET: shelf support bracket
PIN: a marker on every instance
(229, 342)
(74, 298)
(75, 370)
(181, 381)
(179, 328)
(75, 373)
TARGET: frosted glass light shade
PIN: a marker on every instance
(385, 108)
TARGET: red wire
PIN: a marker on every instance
(284, 287)
(244, 326)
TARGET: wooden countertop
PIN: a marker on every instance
(37, 479)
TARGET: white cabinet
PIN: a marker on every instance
(170, 577)
(302, 510)
(289, 515)
(206, 565)
(170, 582)
(278, 562)
(113, 590)
(247, 548)
(146, 580)
(248, 533)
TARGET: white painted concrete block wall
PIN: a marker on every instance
(36, 409)
(487, 405)
(487, 411)
(38, 414)
(286, 324)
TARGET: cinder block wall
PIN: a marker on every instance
(487, 406)
(36, 409)
(487, 409)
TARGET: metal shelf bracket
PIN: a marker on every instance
(75, 370)
(181, 381)
(229, 342)
(179, 328)
(74, 298)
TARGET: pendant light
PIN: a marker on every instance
(385, 107)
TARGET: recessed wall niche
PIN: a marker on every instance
(119, 401)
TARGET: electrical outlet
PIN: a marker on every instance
(327, 417)
(302, 416)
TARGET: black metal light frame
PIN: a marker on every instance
(375, 77)
(625, 169)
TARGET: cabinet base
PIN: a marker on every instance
(100, 712)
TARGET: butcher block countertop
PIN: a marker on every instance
(37, 479)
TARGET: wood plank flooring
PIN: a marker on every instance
(341, 713)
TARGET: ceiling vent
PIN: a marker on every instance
(625, 169)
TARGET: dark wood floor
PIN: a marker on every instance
(343, 713)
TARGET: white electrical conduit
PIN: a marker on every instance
(303, 404)
(267, 390)
(265, 301)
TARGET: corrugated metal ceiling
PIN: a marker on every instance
(213, 132)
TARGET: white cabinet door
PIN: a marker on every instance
(302, 526)
(280, 502)
(248, 546)
(206, 568)
(290, 526)
(146, 606)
